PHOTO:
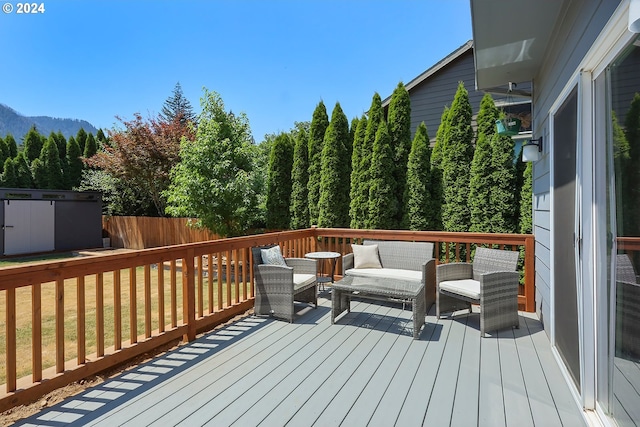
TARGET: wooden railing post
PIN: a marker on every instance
(11, 361)
(529, 274)
(189, 296)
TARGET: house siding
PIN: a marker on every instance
(576, 32)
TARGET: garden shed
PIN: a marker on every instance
(36, 221)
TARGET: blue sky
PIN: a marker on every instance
(273, 60)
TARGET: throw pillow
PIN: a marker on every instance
(365, 256)
(272, 256)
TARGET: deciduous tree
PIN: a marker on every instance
(215, 180)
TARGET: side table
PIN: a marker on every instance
(321, 257)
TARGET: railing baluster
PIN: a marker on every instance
(133, 306)
(228, 281)
(147, 301)
(210, 281)
(220, 276)
(174, 295)
(80, 321)
(244, 274)
(11, 356)
(59, 309)
(236, 276)
(117, 311)
(200, 288)
(99, 315)
(161, 321)
(36, 332)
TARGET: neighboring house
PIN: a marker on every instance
(435, 88)
(584, 63)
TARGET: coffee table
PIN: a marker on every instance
(396, 289)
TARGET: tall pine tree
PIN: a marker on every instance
(279, 183)
(319, 124)
(334, 183)
(418, 211)
(299, 181)
(177, 107)
(383, 203)
(399, 123)
(457, 155)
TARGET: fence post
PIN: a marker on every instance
(189, 296)
(529, 274)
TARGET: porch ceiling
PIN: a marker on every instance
(511, 38)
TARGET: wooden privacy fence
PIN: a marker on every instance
(67, 320)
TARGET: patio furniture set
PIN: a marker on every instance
(392, 270)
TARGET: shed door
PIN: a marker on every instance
(28, 226)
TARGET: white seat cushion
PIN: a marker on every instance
(468, 287)
(391, 273)
(301, 280)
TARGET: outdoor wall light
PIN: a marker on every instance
(634, 16)
(531, 150)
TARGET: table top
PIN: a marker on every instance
(322, 255)
(399, 288)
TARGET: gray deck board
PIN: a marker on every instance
(366, 370)
(625, 393)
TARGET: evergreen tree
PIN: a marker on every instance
(90, 146)
(50, 158)
(4, 153)
(437, 196)
(81, 139)
(334, 183)
(418, 212)
(101, 138)
(400, 132)
(300, 180)
(39, 174)
(357, 207)
(8, 177)
(24, 178)
(383, 203)
(503, 185)
(32, 144)
(177, 107)
(631, 173)
(61, 142)
(457, 155)
(376, 116)
(74, 163)
(319, 124)
(480, 206)
(13, 146)
(526, 201)
(279, 183)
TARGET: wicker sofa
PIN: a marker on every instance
(399, 260)
(277, 287)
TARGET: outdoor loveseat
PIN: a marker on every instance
(411, 261)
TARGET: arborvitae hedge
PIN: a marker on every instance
(24, 177)
(456, 163)
(376, 116)
(334, 184)
(319, 124)
(437, 196)
(357, 209)
(383, 203)
(32, 144)
(8, 177)
(50, 159)
(503, 185)
(299, 181)
(279, 183)
(74, 164)
(399, 123)
(526, 201)
(418, 211)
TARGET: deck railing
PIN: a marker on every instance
(68, 320)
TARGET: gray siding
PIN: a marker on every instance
(575, 34)
(429, 98)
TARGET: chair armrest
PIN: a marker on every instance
(347, 263)
(429, 280)
(454, 271)
(499, 283)
(303, 265)
(266, 273)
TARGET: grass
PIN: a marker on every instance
(24, 315)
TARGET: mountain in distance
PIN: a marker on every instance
(18, 125)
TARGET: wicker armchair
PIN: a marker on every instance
(491, 281)
(277, 287)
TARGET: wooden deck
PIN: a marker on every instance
(364, 370)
